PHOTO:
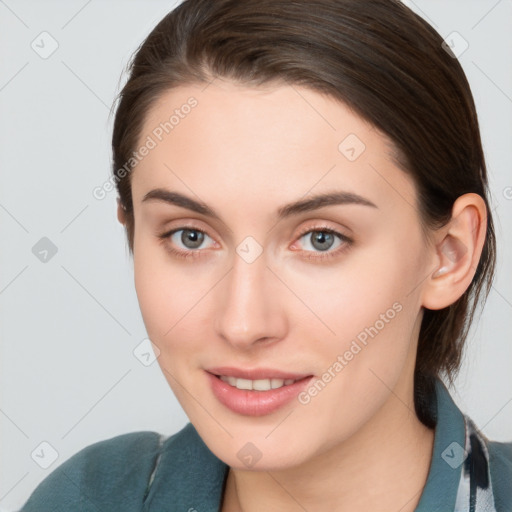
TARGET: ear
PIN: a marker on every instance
(456, 252)
(120, 212)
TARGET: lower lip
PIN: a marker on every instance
(255, 403)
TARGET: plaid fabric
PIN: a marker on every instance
(475, 493)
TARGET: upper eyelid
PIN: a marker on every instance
(301, 232)
(320, 229)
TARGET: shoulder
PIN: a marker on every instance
(186, 473)
(501, 454)
(134, 472)
(112, 474)
(500, 461)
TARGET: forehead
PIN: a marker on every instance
(279, 140)
(296, 114)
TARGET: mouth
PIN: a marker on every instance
(255, 392)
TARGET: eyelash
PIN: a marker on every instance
(346, 243)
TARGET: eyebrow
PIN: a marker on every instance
(305, 205)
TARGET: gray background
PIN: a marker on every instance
(69, 325)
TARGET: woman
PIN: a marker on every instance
(305, 197)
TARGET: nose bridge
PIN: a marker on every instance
(249, 311)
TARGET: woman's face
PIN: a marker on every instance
(259, 280)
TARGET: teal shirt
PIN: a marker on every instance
(143, 472)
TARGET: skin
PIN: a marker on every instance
(246, 152)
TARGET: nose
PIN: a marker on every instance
(250, 310)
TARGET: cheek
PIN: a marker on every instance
(159, 292)
(342, 300)
(173, 299)
(365, 311)
(164, 303)
(152, 294)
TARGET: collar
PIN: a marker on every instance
(191, 477)
(459, 477)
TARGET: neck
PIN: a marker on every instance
(383, 467)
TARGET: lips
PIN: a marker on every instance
(255, 392)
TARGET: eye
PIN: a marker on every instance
(187, 242)
(189, 238)
(322, 239)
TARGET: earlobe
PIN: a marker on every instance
(457, 252)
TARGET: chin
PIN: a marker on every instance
(254, 449)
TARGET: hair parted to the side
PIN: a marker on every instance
(379, 58)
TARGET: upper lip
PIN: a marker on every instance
(255, 373)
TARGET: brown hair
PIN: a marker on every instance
(376, 56)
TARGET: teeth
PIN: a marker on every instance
(276, 383)
(243, 384)
(256, 385)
